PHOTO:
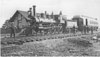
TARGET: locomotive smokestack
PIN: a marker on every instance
(34, 10)
(86, 22)
(60, 13)
(45, 14)
(52, 15)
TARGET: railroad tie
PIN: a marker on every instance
(17, 43)
(44, 39)
(58, 36)
(27, 40)
(70, 36)
(36, 39)
(62, 36)
(4, 43)
(52, 37)
(21, 41)
(32, 40)
(67, 36)
(9, 42)
(49, 38)
(55, 37)
(39, 39)
(79, 35)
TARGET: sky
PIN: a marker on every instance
(68, 7)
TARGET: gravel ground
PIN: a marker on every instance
(55, 47)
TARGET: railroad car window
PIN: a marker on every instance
(92, 22)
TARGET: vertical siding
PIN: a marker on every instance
(20, 21)
(23, 23)
(15, 22)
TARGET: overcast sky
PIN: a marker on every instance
(68, 7)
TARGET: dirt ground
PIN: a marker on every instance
(55, 47)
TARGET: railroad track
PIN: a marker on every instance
(20, 41)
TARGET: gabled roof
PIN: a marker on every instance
(23, 13)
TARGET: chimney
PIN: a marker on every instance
(30, 11)
(34, 10)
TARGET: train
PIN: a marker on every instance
(44, 23)
(58, 23)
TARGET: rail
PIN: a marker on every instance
(21, 40)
